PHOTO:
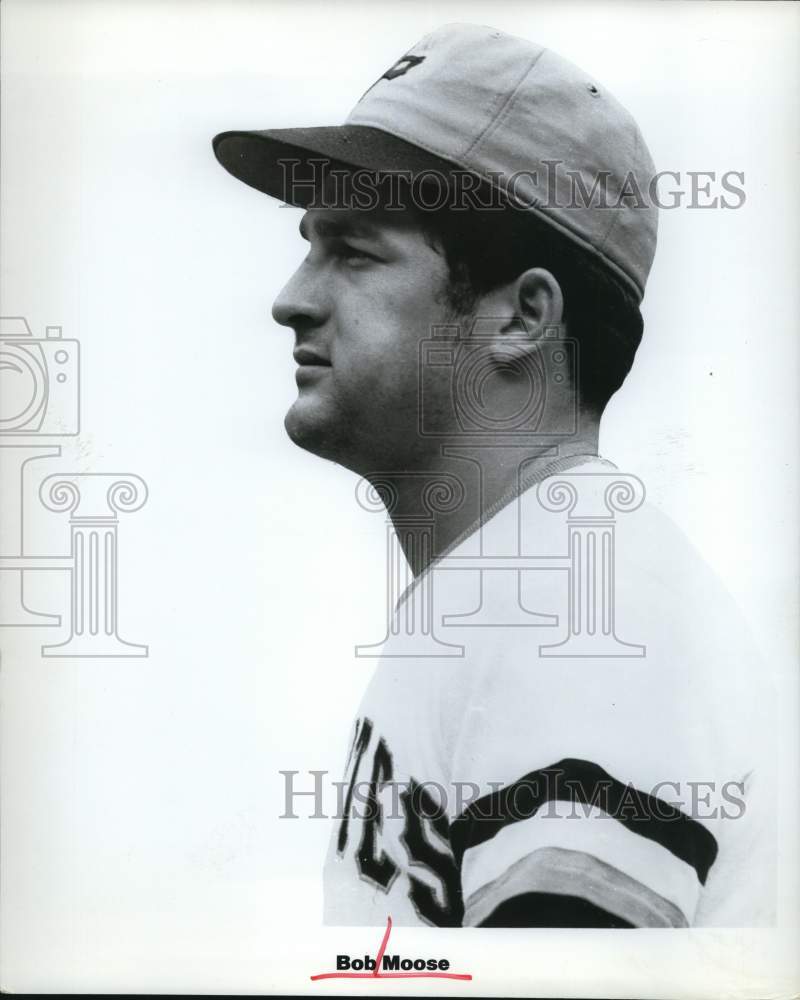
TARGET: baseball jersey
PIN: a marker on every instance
(577, 742)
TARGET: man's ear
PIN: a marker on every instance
(539, 302)
(522, 310)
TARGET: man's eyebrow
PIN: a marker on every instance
(328, 229)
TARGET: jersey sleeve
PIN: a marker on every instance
(616, 791)
(603, 795)
(571, 845)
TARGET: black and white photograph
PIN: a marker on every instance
(398, 568)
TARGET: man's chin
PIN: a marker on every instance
(311, 430)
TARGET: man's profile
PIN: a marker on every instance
(572, 750)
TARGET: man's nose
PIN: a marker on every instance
(300, 303)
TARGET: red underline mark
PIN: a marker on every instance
(377, 970)
(377, 974)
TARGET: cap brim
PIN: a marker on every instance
(280, 162)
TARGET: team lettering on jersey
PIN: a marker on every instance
(422, 817)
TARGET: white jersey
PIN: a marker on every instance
(582, 750)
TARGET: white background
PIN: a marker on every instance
(142, 848)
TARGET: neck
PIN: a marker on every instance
(431, 506)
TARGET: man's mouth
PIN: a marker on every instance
(310, 366)
(307, 358)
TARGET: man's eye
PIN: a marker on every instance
(352, 254)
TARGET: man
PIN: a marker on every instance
(557, 733)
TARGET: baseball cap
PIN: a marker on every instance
(521, 118)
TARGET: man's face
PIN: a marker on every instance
(367, 293)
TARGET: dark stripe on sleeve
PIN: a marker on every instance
(549, 909)
(583, 783)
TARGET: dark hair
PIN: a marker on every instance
(487, 248)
